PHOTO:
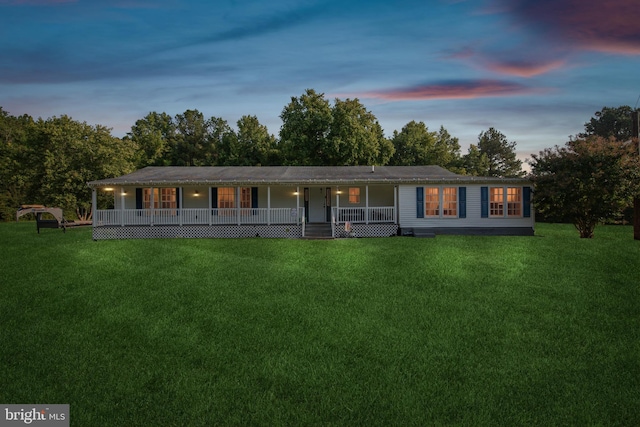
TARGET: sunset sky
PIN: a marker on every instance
(536, 70)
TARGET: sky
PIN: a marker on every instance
(535, 70)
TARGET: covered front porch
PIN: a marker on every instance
(264, 211)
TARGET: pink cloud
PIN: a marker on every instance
(452, 90)
(523, 68)
(608, 26)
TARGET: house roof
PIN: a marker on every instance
(156, 176)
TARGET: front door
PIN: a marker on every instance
(317, 204)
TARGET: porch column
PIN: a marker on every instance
(179, 198)
(298, 205)
(94, 205)
(337, 205)
(269, 205)
(122, 193)
(238, 193)
(210, 207)
(395, 204)
(152, 206)
(366, 204)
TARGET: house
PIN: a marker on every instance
(283, 201)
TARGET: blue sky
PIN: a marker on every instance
(536, 70)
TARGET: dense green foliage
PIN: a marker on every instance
(398, 331)
(500, 154)
(50, 161)
(586, 182)
(610, 123)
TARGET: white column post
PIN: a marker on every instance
(269, 205)
(180, 201)
(337, 205)
(210, 207)
(395, 204)
(298, 205)
(122, 206)
(366, 203)
(238, 194)
(94, 205)
(152, 205)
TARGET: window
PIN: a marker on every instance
(436, 197)
(514, 201)
(227, 197)
(245, 197)
(354, 195)
(163, 198)
(432, 201)
(511, 197)
(496, 201)
(450, 201)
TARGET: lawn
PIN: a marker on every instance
(454, 330)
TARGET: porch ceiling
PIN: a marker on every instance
(289, 175)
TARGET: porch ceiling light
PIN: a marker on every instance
(108, 189)
(196, 193)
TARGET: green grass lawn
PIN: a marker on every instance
(454, 330)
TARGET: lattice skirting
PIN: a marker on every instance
(367, 230)
(197, 232)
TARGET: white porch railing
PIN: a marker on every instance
(124, 217)
(365, 215)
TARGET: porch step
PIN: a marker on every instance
(317, 231)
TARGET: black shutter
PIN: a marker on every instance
(138, 198)
(526, 202)
(462, 202)
(254, 197)
(484, 202)
(420, 202)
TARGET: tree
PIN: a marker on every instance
(416, 145)
(15, 178)
(193, 147)
(586, 181)
(154, 136)
(447, 150)
(253, 145)
(355, 136)
(306, 123)
(66, 154)
(610, 122)
(500, 153)
(474, 162)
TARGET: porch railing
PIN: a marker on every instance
(124, 217)
(365, 215)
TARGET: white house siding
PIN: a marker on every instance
(408, 212)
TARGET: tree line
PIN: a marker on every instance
(49, 161)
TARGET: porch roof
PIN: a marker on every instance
(291, 175)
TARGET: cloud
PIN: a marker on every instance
(519, 68)
(267, 24)
(462, 89)
(607, 26)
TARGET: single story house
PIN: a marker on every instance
(285, 201)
